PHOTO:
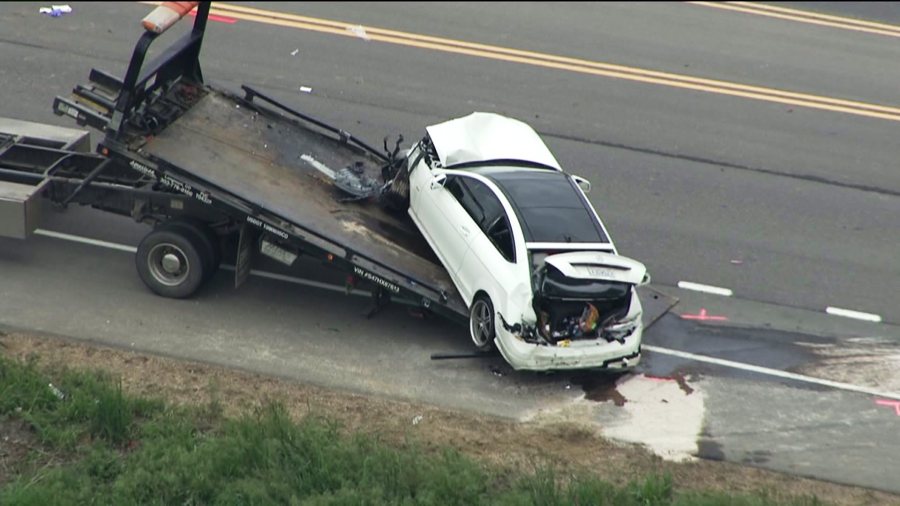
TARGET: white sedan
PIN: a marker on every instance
(524, 247)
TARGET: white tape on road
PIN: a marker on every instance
(697, 287)
(771, 372)
(86, 240)
(849, 313)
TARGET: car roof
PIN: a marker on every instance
(483, 137)
(550, 207)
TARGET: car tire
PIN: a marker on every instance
(211, 248)
(170, 261)
(481, 323)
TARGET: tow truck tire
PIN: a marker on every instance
(211, 249)
(481, 323)
(169, 261)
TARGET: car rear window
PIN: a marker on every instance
(549, 207)
(560, 224)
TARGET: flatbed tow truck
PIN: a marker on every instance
(201, 164)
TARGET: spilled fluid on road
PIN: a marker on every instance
(665, 414)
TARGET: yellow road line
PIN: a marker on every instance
(560, 62)
(810, 14)
(806, 17)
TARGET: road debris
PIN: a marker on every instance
(55, 11)
(417, 419)
(321, 167)
(359, 31)
(57, 392)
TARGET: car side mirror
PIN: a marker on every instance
(438, 181)
(582, 183)
(646, 280)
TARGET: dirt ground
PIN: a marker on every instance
(565, 444)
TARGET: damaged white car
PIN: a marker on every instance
(524, 247)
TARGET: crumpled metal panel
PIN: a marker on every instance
(482, 136)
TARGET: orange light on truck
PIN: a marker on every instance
(166, 15)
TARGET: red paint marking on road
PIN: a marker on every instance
(658, 378)
(702, 316)
(216, 17)
(894, 404)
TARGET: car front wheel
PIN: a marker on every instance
(481, 323)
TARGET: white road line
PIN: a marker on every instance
(697, 287)
(86, 240)
(849, 313)
(772, 372)
(655, 349)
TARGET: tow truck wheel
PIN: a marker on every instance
(211, 250)
(169, 262)
(481, 323)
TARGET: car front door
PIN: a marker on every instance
(436, 205)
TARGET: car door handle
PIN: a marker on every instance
(464, 230)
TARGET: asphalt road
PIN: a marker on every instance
(792, 207)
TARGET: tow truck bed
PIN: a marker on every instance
(268, 160)
(200, 163)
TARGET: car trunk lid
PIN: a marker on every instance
(598, 266)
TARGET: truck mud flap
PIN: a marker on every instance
(245, 251)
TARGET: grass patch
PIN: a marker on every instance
(67, 406)
(126, 450)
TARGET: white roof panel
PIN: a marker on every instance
(484, 137)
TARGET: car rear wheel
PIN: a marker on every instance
(481, 323)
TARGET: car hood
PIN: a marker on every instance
(599, 266)
(485, 137)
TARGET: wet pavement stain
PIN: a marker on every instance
(600, 387)
(677, 377)
(682, 383)
(765, 347)
(709, 449)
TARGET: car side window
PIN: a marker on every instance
(486, 210)
(454, 186)
(488, 204)
(460, 188)
(501, 235)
